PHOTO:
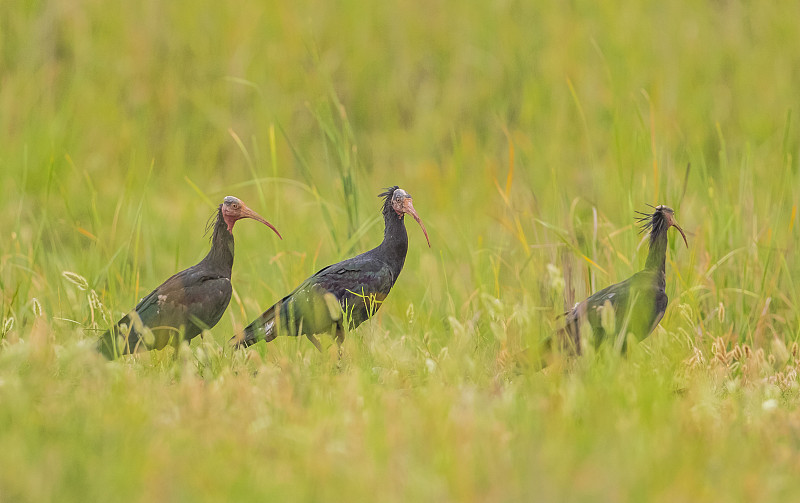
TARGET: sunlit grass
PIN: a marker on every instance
(527, 133)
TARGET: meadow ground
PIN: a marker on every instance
(527, 133)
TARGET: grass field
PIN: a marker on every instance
(528, 134)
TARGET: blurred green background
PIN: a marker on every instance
(527, 132)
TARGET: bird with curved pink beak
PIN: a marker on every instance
(341, 296)
(633, 306)
(190, 301)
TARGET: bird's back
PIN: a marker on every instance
(636, 306)
(359, 285)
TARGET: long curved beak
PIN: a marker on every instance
(408, 207)
(675, 224)
(248, 213)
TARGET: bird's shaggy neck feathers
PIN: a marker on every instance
(657, 224)
(220, 256)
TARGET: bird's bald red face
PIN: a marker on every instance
(669, 213)
(234, 209)
(402, 204)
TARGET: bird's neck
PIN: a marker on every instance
(395, 241)
(657, 257)
(220, 256)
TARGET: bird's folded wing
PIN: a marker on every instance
(355, 280)
(186, 297)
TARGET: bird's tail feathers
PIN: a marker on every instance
(122, 339)
(262, 328)
(106, 345)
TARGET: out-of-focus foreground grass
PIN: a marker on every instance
(527, 133)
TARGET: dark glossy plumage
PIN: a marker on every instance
(635, 305)
(348, 292)
(189, 302)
